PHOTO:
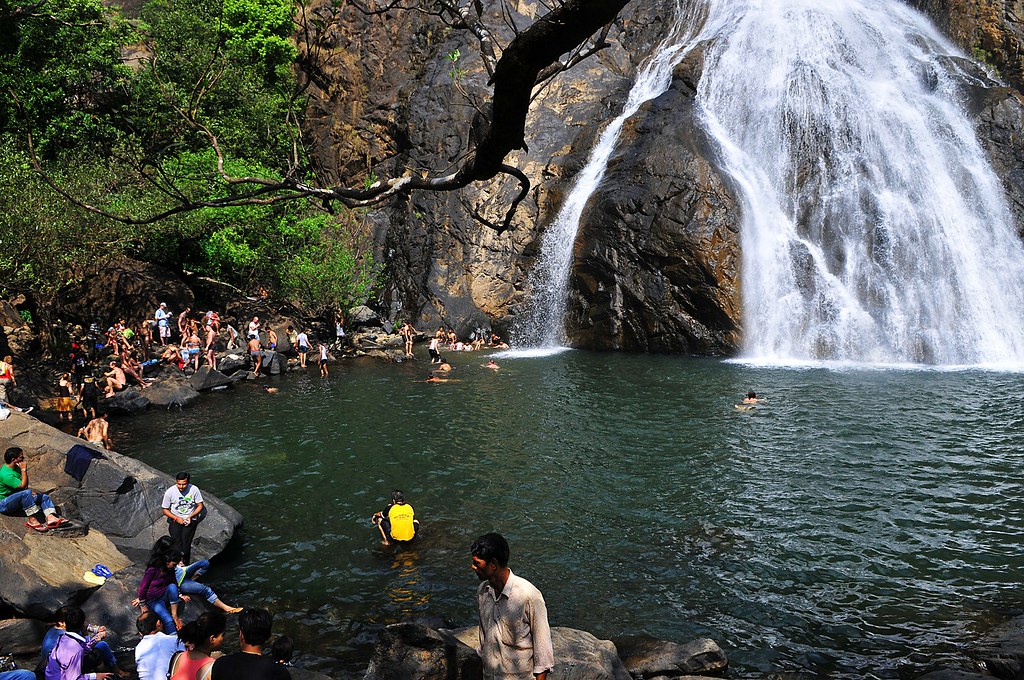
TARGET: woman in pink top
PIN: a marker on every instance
(203, 636)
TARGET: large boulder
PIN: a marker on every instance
(21, 636)
(125, 403)
(207, 378)
(232, 361)
(44, 571)
(171, 390)
(361, 316)
(1002, 652)
(651, 658)
(121, 288)
(412, 650)
(578, 654)
(657, 257)
(16, 337)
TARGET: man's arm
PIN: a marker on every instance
(543, 650)
(23, 469)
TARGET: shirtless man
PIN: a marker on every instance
(408, 332)
(96, 432)
(183, 324)
(256, 353)
(116, 380)
(211, 352)
(272, 339)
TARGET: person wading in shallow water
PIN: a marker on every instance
(397, 521)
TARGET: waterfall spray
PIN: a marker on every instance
(874, 229)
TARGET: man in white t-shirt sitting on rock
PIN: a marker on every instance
(153, 653)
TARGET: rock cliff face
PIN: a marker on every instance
(657, 257)
(989, 30)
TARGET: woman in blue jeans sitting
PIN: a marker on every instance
(159, 592)
(185, 577)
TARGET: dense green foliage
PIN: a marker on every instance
(131, 141)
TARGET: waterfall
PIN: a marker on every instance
(543, 327)
(874, 229)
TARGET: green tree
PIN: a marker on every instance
(329, 272)
(61, 73)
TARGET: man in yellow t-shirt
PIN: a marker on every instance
(397, 522)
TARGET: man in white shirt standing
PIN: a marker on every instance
(155, 649)
(163, 323)
(183, 508)
(515, 640)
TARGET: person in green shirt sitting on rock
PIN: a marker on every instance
(15, 496)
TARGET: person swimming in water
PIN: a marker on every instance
(752, 398)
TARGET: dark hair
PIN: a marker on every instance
(397, 496)
(283, 649)
(751, 395)
(160, 558)
(162, 545)
(182, 475)
(11, 453)
(492, 546)
(255, 626)
(147, 622)
(209, 624)
(74, 621)
(61, 615)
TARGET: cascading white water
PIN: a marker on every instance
(543, 327)
(874, 229)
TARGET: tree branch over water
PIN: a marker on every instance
(576, 28)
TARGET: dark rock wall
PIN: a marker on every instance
(988, 30)
(657, 257)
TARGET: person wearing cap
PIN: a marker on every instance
(163, 323)
(397, 521)
(88, 396)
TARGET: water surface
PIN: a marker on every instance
(861, 520)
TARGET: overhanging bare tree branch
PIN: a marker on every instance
(499, 129)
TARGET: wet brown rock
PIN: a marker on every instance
(122, 289)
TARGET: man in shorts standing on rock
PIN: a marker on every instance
(163, 322)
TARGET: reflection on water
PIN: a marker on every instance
(860, 517)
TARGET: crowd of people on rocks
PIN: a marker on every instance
(168, 648)
(103, 363)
